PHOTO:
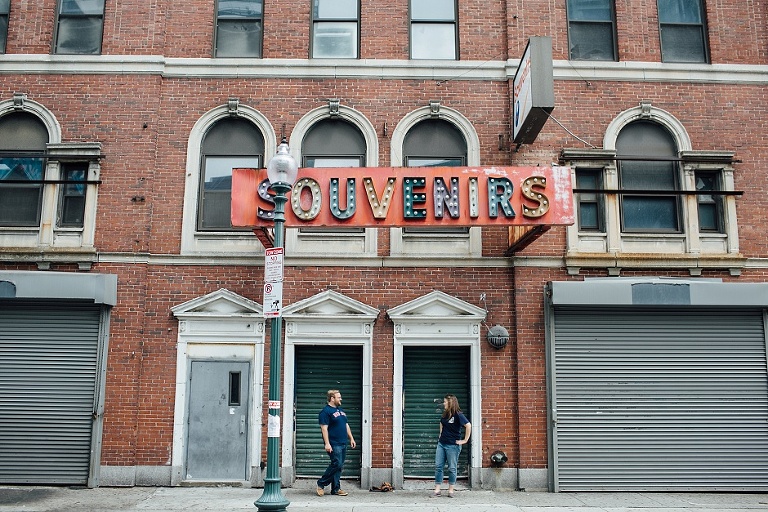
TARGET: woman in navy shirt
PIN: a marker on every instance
(450, 442)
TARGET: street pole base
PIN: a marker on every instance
(272, 498)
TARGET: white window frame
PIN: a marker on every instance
(690, 248)
(217, 243)
(336, 243)
(465, 245)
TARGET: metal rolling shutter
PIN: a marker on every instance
(430, 373)
(659, 400)
(319, 369)
(48, 374)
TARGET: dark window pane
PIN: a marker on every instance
(82, 7)
(433, 10)
(3, 31)
(79, 35)
(710, 206)
(589, 10)
(234, 388)
(238, 38)
(648, 175)
(589, 204)
(217, 189)
(680, 11)
(591, 41)
(682, 43)
(73, 195)
(20, 205)
(5, 6)
(588, 218)
(335, 9)
(334, 39)
(240, 8)
(650, 213)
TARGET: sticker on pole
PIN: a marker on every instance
(273, 299)
(273, 426)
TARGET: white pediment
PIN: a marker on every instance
(331, 304)
(220, 303)
(436, 305)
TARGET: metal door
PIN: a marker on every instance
(659, 400)
(217, 438)
(430, 373)
(50, 361)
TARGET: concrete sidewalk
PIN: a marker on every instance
(108, 499)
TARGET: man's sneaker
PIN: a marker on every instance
(320, 491)
(341, 493)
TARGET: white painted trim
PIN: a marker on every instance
(655, 114)
(296, 245)
(192, 241)
(419, 316)
(324, 319)
(468, 246)
(392, 69)
(219, 326)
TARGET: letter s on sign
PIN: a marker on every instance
(531, 183)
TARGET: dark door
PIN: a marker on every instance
(430, 373)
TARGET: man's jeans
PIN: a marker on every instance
(449, 453)
(332, 473)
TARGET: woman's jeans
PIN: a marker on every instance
(446, 453)
(332, 473)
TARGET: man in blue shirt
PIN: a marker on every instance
(336, 431)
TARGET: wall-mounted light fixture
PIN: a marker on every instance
(497, 336)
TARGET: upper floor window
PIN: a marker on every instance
(79, 27)
(434, 143)
(228, 144)
(644, 205)
(23, 140)
(648, 192)
(683, 31)
(335, 29)
(5, 7)
(434, 29)
(591, 30)
(72, 201)
(589, 203)
(333, 143)
(48, 189)
(239, 28)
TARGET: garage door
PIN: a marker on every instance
(430, 373)
(659, 399)
(49, 360)
(319, 369)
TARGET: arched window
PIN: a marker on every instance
(434, 143)
(646, 154)
(333, 143)
(647, 191)
(23, 139)
(228, 144)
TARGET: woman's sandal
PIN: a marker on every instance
(450, 494)
(435, 494)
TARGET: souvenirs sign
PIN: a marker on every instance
(409, 196)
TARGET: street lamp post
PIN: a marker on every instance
(281, 171)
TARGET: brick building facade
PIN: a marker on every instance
(635, 333)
